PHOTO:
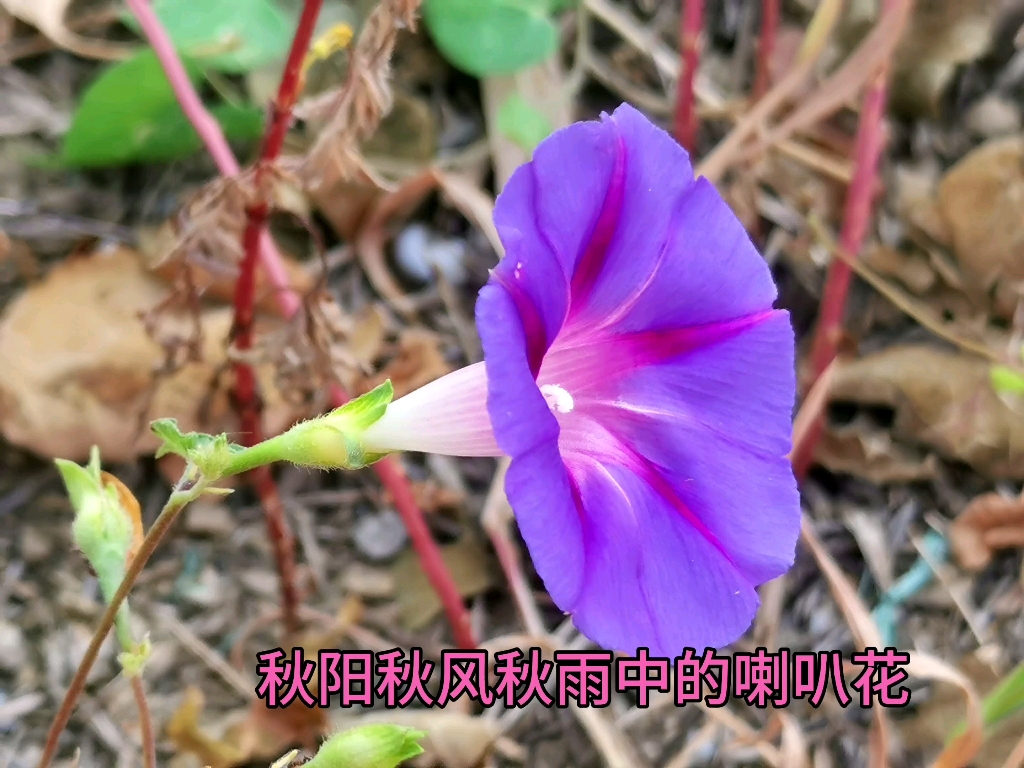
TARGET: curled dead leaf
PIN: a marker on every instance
(946, 34)
(990, 522)
(130, 505)
(80, 368)
(935, 398)
(982, 200)
(185, 733)
(48, 17)
(215, 280)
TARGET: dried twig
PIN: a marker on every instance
(353, 111)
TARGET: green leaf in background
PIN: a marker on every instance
(492, 37)
(1006, 380)
(129, 115)
(175, 138)
(522, 123)
(1006, 699)
(233, 36)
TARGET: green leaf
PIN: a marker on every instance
(1006, 380)
(129, 114)
(233, 36)
(174, 137)
(369, 746)
(1006, 699)
(522, 123)
(492, 37)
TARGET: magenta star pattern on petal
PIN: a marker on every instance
(643, 386)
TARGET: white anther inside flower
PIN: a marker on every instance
(558, 399)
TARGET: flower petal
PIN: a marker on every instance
(652, 581)
(641, 202)
(540, 492)
(717, 425)
(708, 257)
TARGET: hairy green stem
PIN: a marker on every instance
(187, 490)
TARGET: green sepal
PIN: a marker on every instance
(331, 441)
(211, 454)
(134, 659)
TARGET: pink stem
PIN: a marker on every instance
(212, 136)
(690, 21)
(860, 199)
(289, 302)
(765, 47)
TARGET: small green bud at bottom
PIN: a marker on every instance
(369, 746)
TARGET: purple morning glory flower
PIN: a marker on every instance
(642, 384)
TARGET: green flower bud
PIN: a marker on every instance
(369, 746)
(331, 441)
(134, 659)
(107, 527)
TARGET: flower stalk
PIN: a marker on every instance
(191, 486)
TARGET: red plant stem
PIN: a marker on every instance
(856, 218)
(765, 47)
(690, 22)
(145, 723)
(395, 481)
(246, 397)
(388, 470)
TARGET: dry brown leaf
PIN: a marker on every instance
(367, 338)
(130, 505)
(871, 454)
(432, 497)
(48, 17)
(988, 523)
(216, 281)
(453, 740)
(911, 269)
(185, 733)
(982, 200)
(945, 34)
(257, 734)
(939, 399)
(419, 361)
(469, 565)
(80, 369)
